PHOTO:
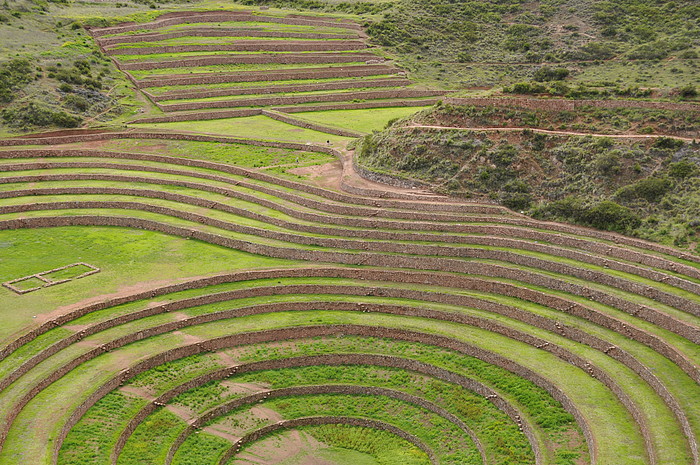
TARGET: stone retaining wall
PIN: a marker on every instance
(285, 118)
(339, 359)
(393, 262)
(649, 314)
(326, 230)
(387, 179)
(245, 46)
(570, 105)
(327, 420)
(284, 58)
(304, 187)
(356, 390)
(220, 16)
(520, 222)
(606, 350)
(269, 75)
(338, 85)
(359, 105)
(215, 32)
(296, 99)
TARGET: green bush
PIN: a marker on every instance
(689, 91)
(76, 102)
(550, 74)
(611, 216)
(682, 169)
(650, 189)
(34, 114)
(13, 76)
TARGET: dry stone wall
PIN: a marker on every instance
(275, 335)
(323, 389)
(327, 420)
(416, 102)
(296, 99)
(285, 118)
(258, 90)
(167, 20)
(216, 32)
(380, 260)
(270, 75)
(245, 46)
(649, 314)
(261, 58)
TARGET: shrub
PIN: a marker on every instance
(612, 217)
(689, 91)
(650, 189)
(668, 143)
(550, 74)
(14, 75)
(517, 200)
(76, 102)
(608, 163)
(34, 114)
(464, 57)
(682, 169)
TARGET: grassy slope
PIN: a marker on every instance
(658, 181)
(128, 259)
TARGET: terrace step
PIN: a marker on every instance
(246, 46)
(268, 75)
(274, 89)
(294, 99)
(217, 32)
(186, 17)
(281, 58)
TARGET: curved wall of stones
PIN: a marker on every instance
(283, 58)
(215, 32)
(296, 99)
(245, 46)
(324, 389)
(327, 420)
(185, 17)
(270, 75)
(339, 85)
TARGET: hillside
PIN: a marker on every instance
(292, 232)
(559, 172)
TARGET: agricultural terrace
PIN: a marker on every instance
(222, 286)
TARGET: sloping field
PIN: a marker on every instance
(470, 334)
(195, 50)
(300, 314)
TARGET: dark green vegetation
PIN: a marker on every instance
(51, 73)
(647, 188)
(488, 43)
(267, 305)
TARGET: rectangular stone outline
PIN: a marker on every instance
(49, 282)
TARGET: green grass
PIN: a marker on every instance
(181, 55)
(359, 120)
(241, 24)
(252, 127)
(226, 85)
(381, 447)
(205, 40)
(233, 67)
(350, 92)
(249, 156)
(129, 259)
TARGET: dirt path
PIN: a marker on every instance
(548, 131)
